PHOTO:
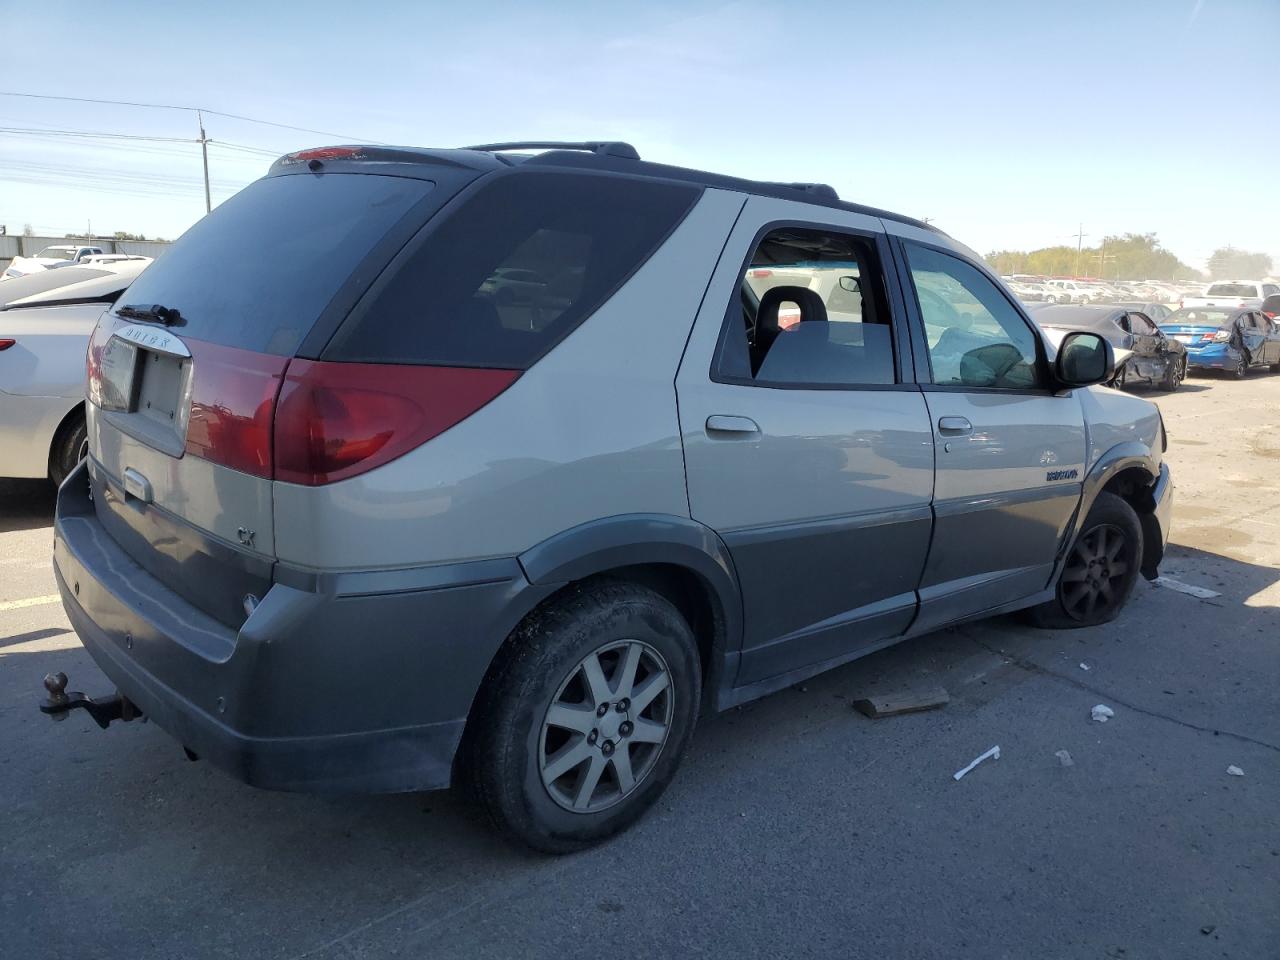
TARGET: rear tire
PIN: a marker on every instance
(70, 446)
(557, 752)
(1241, 369)
(1100, 571)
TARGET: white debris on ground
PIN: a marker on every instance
(1235, 771)
(993, 754)
(1200, 593)
(1064, 757)
(1084, 666)
(1102, 713)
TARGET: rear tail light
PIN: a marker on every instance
(233, 395)
(326, 153)
(6, 342)
(1218, 336)
(337, 420)
(314, 422)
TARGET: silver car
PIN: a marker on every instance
(45, 322)
(351, 521)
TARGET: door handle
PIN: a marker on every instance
(954, 426)
(720, 423)
(136, 485)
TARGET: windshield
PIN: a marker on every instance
(258, 271)
(1232, 290)
(57, 253)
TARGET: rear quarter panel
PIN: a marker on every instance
(591, 431)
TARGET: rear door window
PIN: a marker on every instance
(511, 271)
(258, 271)
(811, 310)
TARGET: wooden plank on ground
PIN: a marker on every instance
(912, 701)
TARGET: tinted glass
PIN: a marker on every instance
(513, 270)
(1231, 290)
(811, 309)
(257, 272)
(1140, 324)
(975, 336)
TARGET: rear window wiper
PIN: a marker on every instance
(156, 313)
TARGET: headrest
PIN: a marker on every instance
(810, 304)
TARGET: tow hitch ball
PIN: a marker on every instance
(103, 710)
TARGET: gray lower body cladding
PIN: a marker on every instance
(360, 684)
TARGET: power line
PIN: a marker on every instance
(47, 132)
(170, 106)
(93, 133)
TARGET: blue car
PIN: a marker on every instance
(1226, 338)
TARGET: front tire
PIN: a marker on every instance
(584, 720)
(1174, 375)
(1241, 369)
(1100, 571)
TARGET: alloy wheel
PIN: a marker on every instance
(1094, 575)
(606, 726)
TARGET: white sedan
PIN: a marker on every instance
(44, 334)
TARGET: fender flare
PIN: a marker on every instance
(599, 546)
(1123, 456)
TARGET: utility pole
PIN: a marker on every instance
(204, 152)
(1080, 235)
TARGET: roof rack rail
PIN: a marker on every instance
(824, 190)
(605, 148)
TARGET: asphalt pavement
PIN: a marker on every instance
(796, 828)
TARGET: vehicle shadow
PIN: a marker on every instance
(1155, 390)
(160, 823)
(26, 504)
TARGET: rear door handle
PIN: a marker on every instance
(720, 423)
(954, 426)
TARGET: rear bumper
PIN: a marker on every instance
(340, 683)
(1216, 357)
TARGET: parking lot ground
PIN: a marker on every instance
(796, 828)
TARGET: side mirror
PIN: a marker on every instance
(849, 284)
(1084, 359)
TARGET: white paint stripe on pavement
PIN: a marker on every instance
(1202, 593)
(29, 602)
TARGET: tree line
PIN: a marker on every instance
(1129, 256)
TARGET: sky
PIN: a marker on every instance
(1008, 124)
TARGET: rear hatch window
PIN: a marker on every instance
(258, 271)
(511, 271)
(1232, 290)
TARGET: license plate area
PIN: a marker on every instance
(161, 390)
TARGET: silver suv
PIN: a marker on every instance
(410, 466)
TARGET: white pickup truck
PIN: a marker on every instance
(1233, 293)
(58, 255)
